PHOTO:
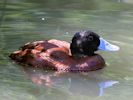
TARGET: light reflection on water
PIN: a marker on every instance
(78, 84)
(22, 21)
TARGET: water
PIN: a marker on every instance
(22, 21)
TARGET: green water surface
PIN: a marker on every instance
(22, 21)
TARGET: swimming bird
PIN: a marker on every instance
(58, 55)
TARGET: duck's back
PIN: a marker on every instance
(55, 55)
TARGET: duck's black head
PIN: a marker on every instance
(85, 43)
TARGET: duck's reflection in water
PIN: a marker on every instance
(89, 84)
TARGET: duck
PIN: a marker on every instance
(58, 55)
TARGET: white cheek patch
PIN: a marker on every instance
(104, 45)
(78, 42)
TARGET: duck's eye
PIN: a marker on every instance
(90, 38)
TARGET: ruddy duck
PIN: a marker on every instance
(77, 56)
